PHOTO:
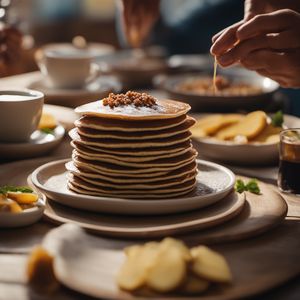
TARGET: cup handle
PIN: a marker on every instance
(40, 60)
(95, 72)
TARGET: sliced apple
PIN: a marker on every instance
(210, 265)
(168, 271)
(250, 126)
(178, 245)
(8, 205)
(23, 198)
(194, 285)
(209, 125)
(134, 270)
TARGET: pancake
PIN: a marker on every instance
(163, 162)
(89, 173)
(76, 181)
(122, 170)
(136, 186)
(77, 189)
(100, 154)
(106, 124)
(163, 109)
(115, 143)
(133, 146)
(140, 152)
(141, 135)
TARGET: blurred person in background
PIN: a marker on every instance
(269, 31)
(267, 41)
(10, 49)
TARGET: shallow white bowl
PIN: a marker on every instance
(241, 154)
(24, 218)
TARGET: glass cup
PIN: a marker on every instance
(289, 165)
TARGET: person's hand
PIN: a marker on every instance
(226, 38)
(138, 18)
(270, 45)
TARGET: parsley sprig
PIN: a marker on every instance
(10, 188)
(251, 186)
(47, 130)
(277, 119)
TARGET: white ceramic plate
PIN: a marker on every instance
(40, 143)
(214, 182)
(94, 90)
(24, 218)
(242, 154)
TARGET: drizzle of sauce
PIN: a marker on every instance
(215, 76)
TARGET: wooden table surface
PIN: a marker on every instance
(15, 243)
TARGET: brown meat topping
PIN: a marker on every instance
(135, 98)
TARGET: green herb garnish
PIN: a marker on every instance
(47, 130)
(277, 119)
(251, 186)
(9, 188)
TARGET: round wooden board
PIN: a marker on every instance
(257, 264)
(259, 214)
(148, 226)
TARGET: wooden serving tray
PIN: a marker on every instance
(259, 214)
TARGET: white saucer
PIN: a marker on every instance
(94, 90)
(214, 182)
(40, 143)
(24, 218)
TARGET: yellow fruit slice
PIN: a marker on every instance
(168, 271)
(47, 121)
(211, 124)
(249, 126)
(177, 244)
(134, 270)
(210, 265)
(269, 135)
(40, 271)
(194, 285)
(23, 198)
(8, 205)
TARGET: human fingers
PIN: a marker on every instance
(285, 40)
(268, 23)
(225, 39)
(253, 8)
(283, 67)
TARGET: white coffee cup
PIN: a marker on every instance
(20, 113)
(67, 68)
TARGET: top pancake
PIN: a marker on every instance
(105, 124)
(163, 109)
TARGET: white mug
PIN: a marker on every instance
(67, 68)
(20, 113)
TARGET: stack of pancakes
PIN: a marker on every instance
(130, 151)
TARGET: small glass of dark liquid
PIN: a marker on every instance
(289, 165)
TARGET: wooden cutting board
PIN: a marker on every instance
(259, 214)
(89, 264)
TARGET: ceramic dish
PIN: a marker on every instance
(24, 218)
(94, 49)
(241, 154)
(39, 144)
(95, 90)
(133, 68)
(214, 182)
(222, 102)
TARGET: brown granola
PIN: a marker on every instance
(135, 98)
